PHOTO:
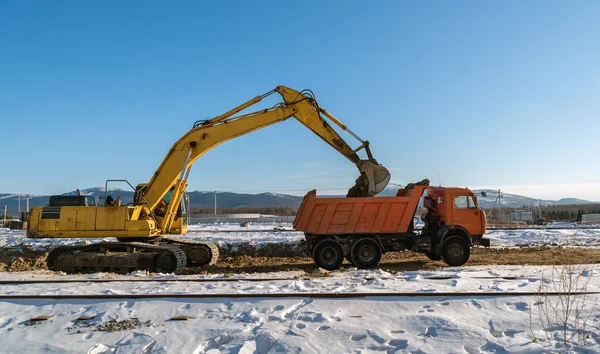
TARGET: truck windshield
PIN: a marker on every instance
(472, 202)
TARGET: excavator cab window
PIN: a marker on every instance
(182, 211)
(167, 197)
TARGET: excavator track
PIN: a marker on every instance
(118, 257)
(198, 253)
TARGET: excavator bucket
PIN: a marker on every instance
(373, 179)
(381, 178)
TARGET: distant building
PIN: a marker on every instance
(590, 218)
(519, 216)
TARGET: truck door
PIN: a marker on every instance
(466, 214)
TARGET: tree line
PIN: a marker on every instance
(568, 212)
(550, 212)
(556, 212)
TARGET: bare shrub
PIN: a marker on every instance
(571, 239)
(560, 307)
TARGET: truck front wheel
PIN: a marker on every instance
(366, 253)
(328, 254)
(456, 251)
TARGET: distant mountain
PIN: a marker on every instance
(508, 200)
(126, 196)
(516, 201)
(11, 200)
(202, 199)
(567, 201)
(390, 190)
(198, 199)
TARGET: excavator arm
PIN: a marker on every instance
(173, 172)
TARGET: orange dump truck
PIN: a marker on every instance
(362, 229)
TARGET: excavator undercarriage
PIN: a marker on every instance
(165, 256)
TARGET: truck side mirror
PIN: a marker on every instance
(483, 194)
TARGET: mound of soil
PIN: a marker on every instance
(21, 259)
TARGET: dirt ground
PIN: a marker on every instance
(409, 261)
(22, 260)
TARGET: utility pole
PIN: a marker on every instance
(4, 221)
(498, 206)
(19, 204)
(215, 202)
(500, 197)
(26, 215)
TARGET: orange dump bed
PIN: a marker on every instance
(337, 216)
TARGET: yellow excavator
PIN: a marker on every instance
(160, 207)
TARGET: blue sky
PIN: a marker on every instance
(500, 94)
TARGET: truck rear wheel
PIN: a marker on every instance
(328, 254)
(366, 253)
(456, 251)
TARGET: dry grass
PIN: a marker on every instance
(534, 256)
(409, 261)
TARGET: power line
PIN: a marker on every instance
(269, 190)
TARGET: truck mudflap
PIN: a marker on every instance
(421, 244)
(480, 241)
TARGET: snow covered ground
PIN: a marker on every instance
(435, 324)
(588, 238)
(261, 234)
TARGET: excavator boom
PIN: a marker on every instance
(205, 135)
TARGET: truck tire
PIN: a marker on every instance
(328, 254)
(366, 253)
(456, 251)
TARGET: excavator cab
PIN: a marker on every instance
(179, 226)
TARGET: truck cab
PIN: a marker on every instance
(453, 213)
(457, 207)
